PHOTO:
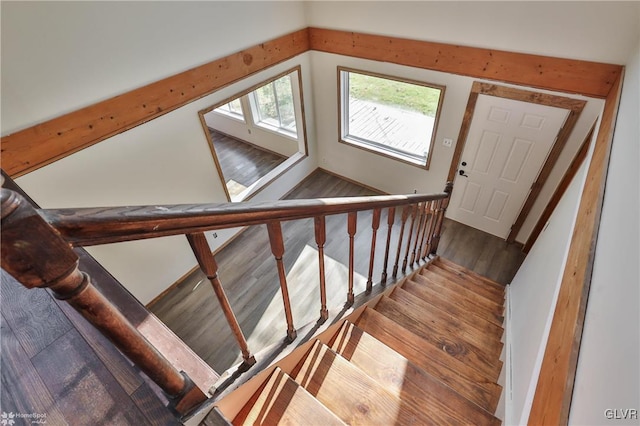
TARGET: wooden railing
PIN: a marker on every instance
(37, 251)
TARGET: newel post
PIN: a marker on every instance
(437, 232)
(37, 256)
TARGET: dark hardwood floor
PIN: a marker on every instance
(55, 364)
(242, 163)
(483, 253)
(249, 276)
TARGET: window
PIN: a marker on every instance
(233, 108)
(273, 105)
(389, 116)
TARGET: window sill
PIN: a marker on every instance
(414, 160)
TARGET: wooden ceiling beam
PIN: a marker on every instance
(34, 147)
(44, 143)
(543, 72)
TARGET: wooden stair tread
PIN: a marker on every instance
(449, 265)
(419, 309)
(451, 289)
(440, 403)
(348, 392)
(471, 284)
(282, 401)
(456, 374)
(452, 346)
(442, 303)
(438, 290)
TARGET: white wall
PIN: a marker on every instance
(601, 31)
(164, 161)
(397, 177)
(608, 375)
(532, 296)
(61, 56)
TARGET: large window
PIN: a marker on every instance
(273, 105)
(389, 116)
(233, 108)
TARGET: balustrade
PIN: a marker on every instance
(36, 250)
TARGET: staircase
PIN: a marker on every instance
(425, 352)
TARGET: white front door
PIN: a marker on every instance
(507, 144)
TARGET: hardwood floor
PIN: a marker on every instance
(242, 163)
(483, 253)
(249, 277)
(55, 364)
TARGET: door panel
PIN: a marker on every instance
(507, 144)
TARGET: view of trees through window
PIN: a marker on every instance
(271, 106)
(389, 116)
(274, 104)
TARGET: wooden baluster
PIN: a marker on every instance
(423, 233)
(36, 256)
(428, 228)
(209, 267)
(375, 224)
(403, 221)
(321, 239)
(414, 211)
(436, 214)
(277, 248)
(390, 219)
(438, 228)
(419, 231)
(352, 219)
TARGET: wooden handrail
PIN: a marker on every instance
(36, 250)
(94, 226)
(36, 256)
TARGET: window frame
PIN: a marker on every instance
(374, 146)
(256, 115)
(240, 116)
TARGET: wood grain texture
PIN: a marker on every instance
(441, 322)
(451, 345)
(348, 392)
(39, 145)
(450, 371)
(433, 288)
(250, 279)
(36, 146)
(35, 320)
(555, 384)
(150, 406)
(437, 301)
(455, 287)
(480, 252)
(467, 273)
(240, 162)
(85, 392)
(23, 390)
(439, 403)
(491, 293)
(102, 225)
(565, 75)
(284, 402)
